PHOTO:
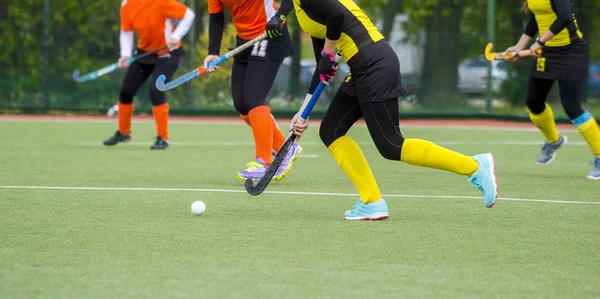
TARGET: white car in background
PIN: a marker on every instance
(472, 75)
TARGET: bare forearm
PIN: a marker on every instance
(330, 45)
(523, 42)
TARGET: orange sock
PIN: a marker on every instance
(124, 115)
(262, 128)
(161, 117)
(278, 138)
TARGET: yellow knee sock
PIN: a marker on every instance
(424, 153)
(351, 159)
(545, 122)
(588, 128)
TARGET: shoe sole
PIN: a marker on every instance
(119, 141)
(159, 148)
(275, 178)
(492, 161)
(243, 179)
(372, 217)
(591, 178)
(554, 156)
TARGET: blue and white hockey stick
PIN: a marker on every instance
(110, 68)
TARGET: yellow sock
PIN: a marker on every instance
(351, 159)
(424, 153)
(588, 128)
(545, 122)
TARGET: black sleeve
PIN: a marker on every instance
(532, 27)
(216, 25)
(318, 45)
(333, 13)
(285, 8)
(562, 8)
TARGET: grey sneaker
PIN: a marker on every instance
(594, 175)
(117, 138)
(548, 152)
(160, 144)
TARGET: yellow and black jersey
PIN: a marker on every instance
(340, 20)
(556, 16)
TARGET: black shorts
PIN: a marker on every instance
(269, 49)
(149, 67)
(568, 63)
(374, 74)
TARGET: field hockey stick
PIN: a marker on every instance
(490, 56)
(107, 69)
(262, 184)
(160, 81)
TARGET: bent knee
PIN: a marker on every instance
(391, 149)
(327, 135)
(157, 97)
(126, 96)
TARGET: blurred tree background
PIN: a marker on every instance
(84, 35)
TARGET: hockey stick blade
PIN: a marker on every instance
(262, 184)
(76, 77)
(162, 86)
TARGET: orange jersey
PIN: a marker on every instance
(250, 17)
(151, 20)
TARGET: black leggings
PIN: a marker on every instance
(381, 118)
(570, 96)
(138, 73)
(251, 81)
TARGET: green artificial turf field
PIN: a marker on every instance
(118, 224)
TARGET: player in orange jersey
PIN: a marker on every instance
(253, 73)
(152, 22)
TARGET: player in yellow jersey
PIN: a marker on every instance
(371, 92)
(564, 59)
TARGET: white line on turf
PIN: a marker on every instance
(238, 143)
(294, 193)
(232, 122)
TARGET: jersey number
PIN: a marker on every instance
(541, 65)
(260, 49)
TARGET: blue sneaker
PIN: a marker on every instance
(485, 179)
(594, 175)
(548, 152)
(368, 211)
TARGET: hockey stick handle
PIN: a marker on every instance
(162, 86)
(525, 53)
(132, 59)
(110, 68)
(232, 53)
(315, 96)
